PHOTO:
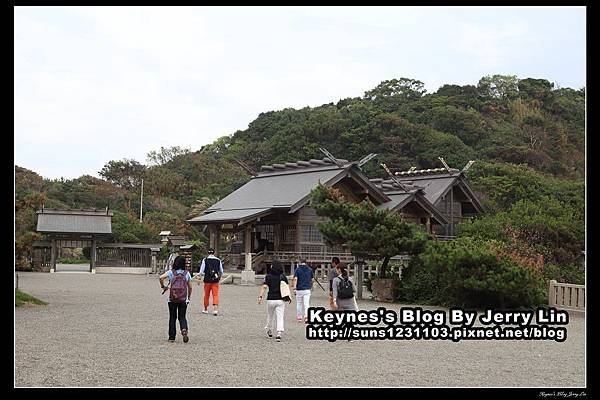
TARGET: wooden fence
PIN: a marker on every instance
(40, 259)
(566, 296)
(123, 257)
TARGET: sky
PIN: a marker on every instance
(94, 84)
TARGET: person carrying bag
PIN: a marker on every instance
(278, 293)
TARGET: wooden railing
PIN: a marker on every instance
(566, 296)
(445, 237)
(316, 257)
(369, 270)
(257, 259)
(321, 259)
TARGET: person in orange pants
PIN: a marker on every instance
(212, 269)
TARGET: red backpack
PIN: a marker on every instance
(179, 288)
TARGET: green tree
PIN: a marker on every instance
(365, 229)
(408, 89)
(201, 205)
(166, 154)
(126, 228)
(125, 173)
(498, 87)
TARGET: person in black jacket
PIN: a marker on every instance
(275, 303)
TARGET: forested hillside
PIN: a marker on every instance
(526, 135)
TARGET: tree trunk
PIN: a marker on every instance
(384, 266)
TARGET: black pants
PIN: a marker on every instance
(176, 311)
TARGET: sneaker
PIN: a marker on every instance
(204, 311)
(185, 335)
(172, 340)
(278, 338)
(270, 334)
(215, 313)
(299, 320)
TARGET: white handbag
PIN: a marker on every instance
(284, 288)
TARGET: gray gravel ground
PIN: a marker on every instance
(111, 330)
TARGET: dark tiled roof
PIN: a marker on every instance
(282, 186)
(231, 215)
(177, 240)
(299, 166)
(428, 172)
(74, 221)
(389, 185)
(435, 182)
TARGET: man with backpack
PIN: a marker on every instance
(212, 269)
(180, 291)
(343, 290)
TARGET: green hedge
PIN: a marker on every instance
(470, 273)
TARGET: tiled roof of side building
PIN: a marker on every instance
(435, 182)
(74, 223)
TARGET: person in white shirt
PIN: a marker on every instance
(212, 269)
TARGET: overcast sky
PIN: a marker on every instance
(94, 84)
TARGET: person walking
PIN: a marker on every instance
(212, 269)
(179, 297)
(302, 285)
(335, 261)
(343, 290)
(275, 302)
(172, 255)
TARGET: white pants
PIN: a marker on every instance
(302, 302)
(277, 307)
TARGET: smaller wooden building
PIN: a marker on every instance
(75, 229)
(450, 194)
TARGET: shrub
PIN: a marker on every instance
(22, 298)
(471, 273)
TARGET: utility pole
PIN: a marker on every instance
(141, 201)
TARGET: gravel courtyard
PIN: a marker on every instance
(111, 330)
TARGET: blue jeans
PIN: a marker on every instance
(176, 311)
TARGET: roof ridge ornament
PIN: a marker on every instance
(445, 165)
(393, 177)
(366, 159)
(331, 157)
(466, 168)
(245, 167)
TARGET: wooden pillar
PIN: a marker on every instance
(359, 279)
(93, 255)
(217, 240)
(428, 224)
(248, 247)
(452, 211)
(53, 256)
(277, 232)
(298, 233)
(446, 226)
(212, 237)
